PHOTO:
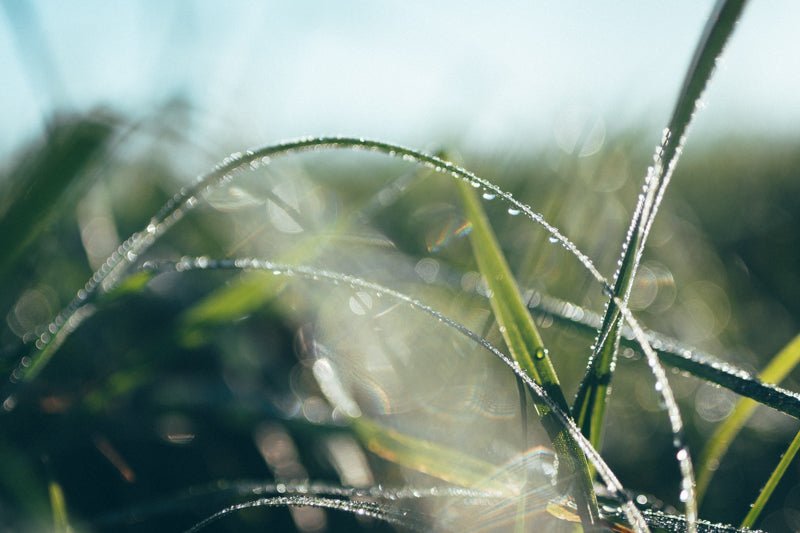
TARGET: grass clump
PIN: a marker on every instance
(369, 349)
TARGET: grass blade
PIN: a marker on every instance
(430, 458)
(59, 508)
(776, 371)
(524, 342)
(772, 482)
(678, 355)
(589, 405)
(37, 187)
(361, 508)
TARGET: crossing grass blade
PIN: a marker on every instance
(525, 343)
(678, 355)
(776, 371)
(590, 402)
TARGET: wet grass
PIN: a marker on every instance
(394, 336)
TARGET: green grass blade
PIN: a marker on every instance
(241, 297)
(772, 482)
(36, 189)
(775, 372)
(521, 336)
(58, 506)
(677, 355)
(589, 405)
(524, 342)
(430, 458)
(719, 27)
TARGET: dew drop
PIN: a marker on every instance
(552, 239)
(10, 403)
(513, 211)
(489, 196)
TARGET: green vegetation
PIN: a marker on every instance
(345, 334)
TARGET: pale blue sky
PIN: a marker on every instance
(478, 72)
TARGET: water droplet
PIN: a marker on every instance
(360, 303)
(552, 239)
(513, 211)
(10, 403)
(489, 196)
(682, 454)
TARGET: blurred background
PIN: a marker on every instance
(480, 75)
(108, 110)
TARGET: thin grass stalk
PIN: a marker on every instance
(772, 482)
(367, 509)
(58, 505)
